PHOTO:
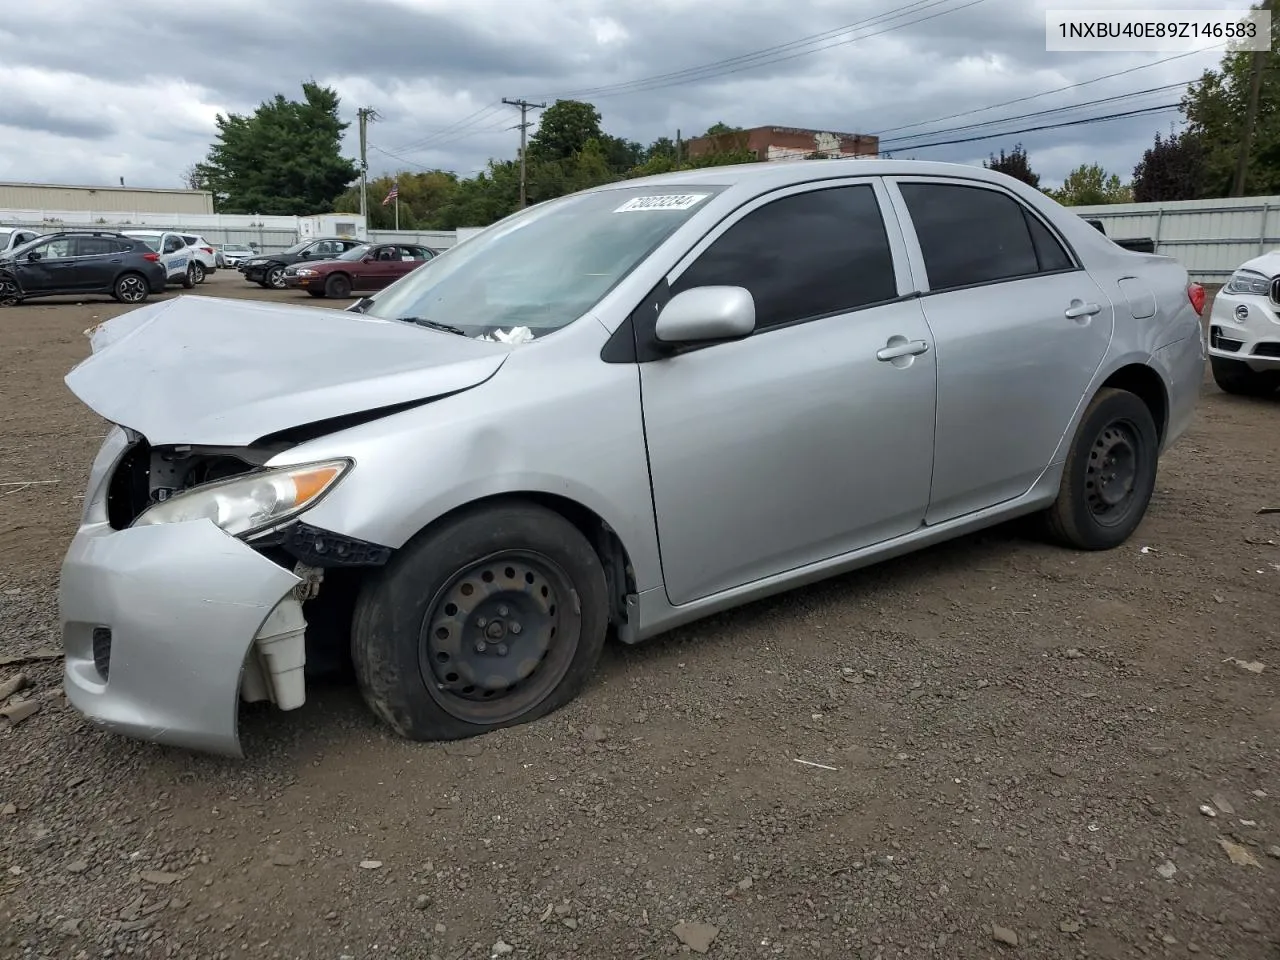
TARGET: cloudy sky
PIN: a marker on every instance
(91, 96)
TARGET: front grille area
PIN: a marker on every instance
(1275, 290)
(102, 651)
(1219, 342)
(1267, 350)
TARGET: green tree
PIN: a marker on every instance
(720, 127)
(1171, 169)
(1089, 185)
(1014, 164)
(422, 196)
(284, 158)
(1215, 109)
(564, 130)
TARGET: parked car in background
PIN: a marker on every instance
(14, 237)
(175, 253)
(74, 262)
(205, 261)
(233, 254)
(370, 266)
(1244, 329)
(267, 269)
(627, 408)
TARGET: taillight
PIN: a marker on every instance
(1195, 293)
(152, 257)
(207, 249)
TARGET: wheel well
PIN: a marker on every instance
(1142, 381)
(618, 571)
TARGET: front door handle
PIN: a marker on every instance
(904, 348)
(1080, 309)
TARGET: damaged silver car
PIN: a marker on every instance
(615, 412)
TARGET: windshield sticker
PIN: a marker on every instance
(670, 201)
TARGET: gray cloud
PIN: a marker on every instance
(136, 96)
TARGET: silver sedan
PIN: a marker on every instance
(615, 412)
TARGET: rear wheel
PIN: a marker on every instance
(1109, 475)
(131, 288)
(338, 286)
(1236, 376)
(496, 618)
(197, 272)
(188, 279)
(275, 277)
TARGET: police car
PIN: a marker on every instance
(176, 255)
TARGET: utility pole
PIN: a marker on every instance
(1256, 67)
(524, 125)
(364, 115)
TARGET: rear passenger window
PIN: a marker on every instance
(91, 247)
(971, 235)
(807, 255)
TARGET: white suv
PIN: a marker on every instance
(206, 259)
(1244, 329)
(13, 237)
(176, 254)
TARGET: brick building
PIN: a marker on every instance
(787, 143)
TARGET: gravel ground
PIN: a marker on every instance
(1016, 743)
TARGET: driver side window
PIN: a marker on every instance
(804, 256)
(55, 249)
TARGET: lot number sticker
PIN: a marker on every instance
(670, 201)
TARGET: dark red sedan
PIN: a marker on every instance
(370, 266)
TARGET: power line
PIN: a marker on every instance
(1045, 93)
(1047, 126)
(898, 142)
(457, 126)
(523, 126)
(695, 74)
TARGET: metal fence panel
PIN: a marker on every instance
(1211, 238)
(435, 239)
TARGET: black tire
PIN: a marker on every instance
(337, 286)
(197, 271)
(1116, 443)
(424, 604)
(1236, 377)
(275, 277)
(10, 292)
(131, 288)
(188, 278)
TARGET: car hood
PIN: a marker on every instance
(1268, 264)
(222, 372)
(326, 264)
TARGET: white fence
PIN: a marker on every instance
(1211, 238)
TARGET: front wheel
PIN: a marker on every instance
(131, 288)
(10, 292)
(188, 279)
(495, 618)
(338, 286)
(1237, 377)
(1109, 475)
(275, 278)
(197, 272)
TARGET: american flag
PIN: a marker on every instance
(395, 192)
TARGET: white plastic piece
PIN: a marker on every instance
(281, 651)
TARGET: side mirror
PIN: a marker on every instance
(367, 258)
(707, 313)
(33, 256)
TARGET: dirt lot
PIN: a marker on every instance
(1020, 737)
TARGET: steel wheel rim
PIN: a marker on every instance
(499, 637)
(275, 277)
(132, 290)
(1111, 477)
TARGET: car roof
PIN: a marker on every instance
(789, 172)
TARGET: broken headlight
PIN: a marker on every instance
(252, 502)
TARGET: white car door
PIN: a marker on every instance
(175, 255)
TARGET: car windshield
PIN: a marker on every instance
(5, 234)
(298, 247)
(544, 267)
(355, 253)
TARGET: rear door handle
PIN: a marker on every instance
(907, 348)
(1080, 309)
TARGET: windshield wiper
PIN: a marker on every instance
(433, 325)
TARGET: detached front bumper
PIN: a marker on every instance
(158, 623)
(1245, 327)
